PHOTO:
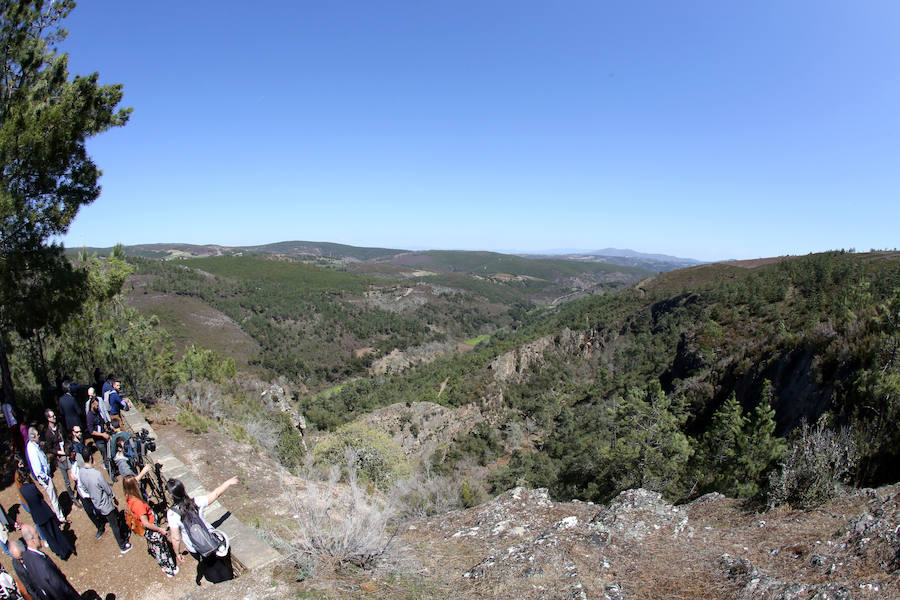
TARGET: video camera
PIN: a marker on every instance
(145, 443)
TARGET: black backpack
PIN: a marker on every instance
(204, 541)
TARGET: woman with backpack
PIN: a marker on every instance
(187, 527)
(157, 544)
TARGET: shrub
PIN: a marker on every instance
(818, 461)
(337, 525)
(483, 444)
(289, 447)
(377, 456)
(425, 494)
(203, 397)
(471, 494)
(194, 422)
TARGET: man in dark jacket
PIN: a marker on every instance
(116, 403)
(45, 576)
(69, 409)
(54, 446)
(17, 549)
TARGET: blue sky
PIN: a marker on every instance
(710, 130)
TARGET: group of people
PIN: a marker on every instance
(71, 447)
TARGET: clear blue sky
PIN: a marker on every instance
(709, 130)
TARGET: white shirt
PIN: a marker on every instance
(38, 461)
(174, 520)
(75, 470)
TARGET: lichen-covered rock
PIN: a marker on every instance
(874, 535)
(633, 514)
(515, 364)
(756, 585)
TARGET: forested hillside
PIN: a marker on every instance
(773, 379)
(687, 383)
(320, 326)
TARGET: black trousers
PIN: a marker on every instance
(215, 568)
(95, 517)
(103, 447)
(116, 525)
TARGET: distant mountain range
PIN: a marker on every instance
(617, 256)
(343, 252)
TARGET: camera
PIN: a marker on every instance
(145, 442)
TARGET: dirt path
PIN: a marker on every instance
(98, 565)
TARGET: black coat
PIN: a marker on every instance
(40, 511)
(46, 519)
(25, 577)
(46, 577)
(70, 411)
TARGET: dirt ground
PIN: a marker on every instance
(98, 566)
(262, 498)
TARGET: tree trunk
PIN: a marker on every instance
(5, 374)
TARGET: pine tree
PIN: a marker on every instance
(721, 447)
(762, 448)
(46, 175)
(650, 449)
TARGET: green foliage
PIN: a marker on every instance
(193, 421)
(290, 443)
(378, 457)
(761, 449)
(470, 494)
(482, 444)
(200, 363)
(464, 376)
(301, 315)
(490, 263)
(876, 396)
(477, 340)
(649, 449)
(532, 469)
(46, 175)
(720, 449)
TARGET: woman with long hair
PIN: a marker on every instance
(214, 567)
(157, 544)
(44, 518)
(21, 471)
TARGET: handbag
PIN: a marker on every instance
(134, 523)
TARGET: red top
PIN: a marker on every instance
(138, 508)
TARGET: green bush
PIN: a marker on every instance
(482, 443)
(470, 494)
(378, 457)
(194, 422)
(290, 443)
